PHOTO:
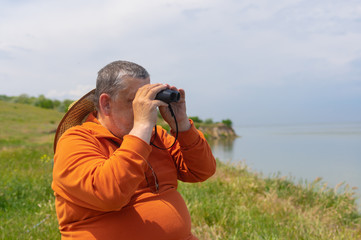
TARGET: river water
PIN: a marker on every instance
(302, 152)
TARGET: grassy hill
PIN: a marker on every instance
(234, 204)
(26, 199)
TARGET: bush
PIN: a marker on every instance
(208, 121)
(227, 122)
(41, 101)
(196, 119)
(64, 105)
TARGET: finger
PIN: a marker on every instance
(148, 90)
(142, 90)
(154, 89)
(173, 88)
(160, 103)
(182, 94)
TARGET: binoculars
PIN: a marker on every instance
(168, 96)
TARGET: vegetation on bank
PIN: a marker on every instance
(40, 101)
(236, 203)
(210, 129)
(209, 121)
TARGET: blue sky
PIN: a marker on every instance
(255, 62)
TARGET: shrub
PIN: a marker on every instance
(208, 121)
(227, 122)
(196, 119)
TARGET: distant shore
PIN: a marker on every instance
(218, 131)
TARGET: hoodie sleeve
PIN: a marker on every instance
(192, 155)
(82, 174)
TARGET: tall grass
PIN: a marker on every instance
(234, 204)
(239, 204)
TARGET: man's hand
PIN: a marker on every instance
(145, 110)
(179, 109)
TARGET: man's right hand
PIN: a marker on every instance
(145, 110)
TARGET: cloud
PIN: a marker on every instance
(72, 93)
(227, 47)
(4, 55)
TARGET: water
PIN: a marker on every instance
(303, 152)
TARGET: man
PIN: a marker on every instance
(109, 179)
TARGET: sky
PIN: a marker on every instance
(254, 62)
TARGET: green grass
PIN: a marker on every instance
(239, 204)
(26, 199)
(234, 204)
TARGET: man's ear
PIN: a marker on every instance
(104, 104)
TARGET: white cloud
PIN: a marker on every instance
(48, 47)
(72, 93)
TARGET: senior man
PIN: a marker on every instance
(115, 174)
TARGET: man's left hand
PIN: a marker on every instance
(179, 109)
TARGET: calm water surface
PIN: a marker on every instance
(303, 152)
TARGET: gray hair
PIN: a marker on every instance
(110, 77)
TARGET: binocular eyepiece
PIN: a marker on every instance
(168, 96)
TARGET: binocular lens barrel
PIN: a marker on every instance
(168, 96)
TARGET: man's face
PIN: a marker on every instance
(121, 107)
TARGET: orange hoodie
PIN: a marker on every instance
(100, 186)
